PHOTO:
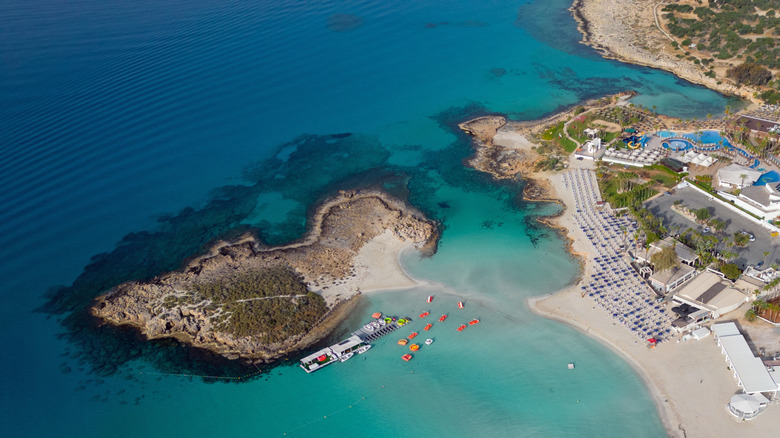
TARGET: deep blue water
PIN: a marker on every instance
(132, 133)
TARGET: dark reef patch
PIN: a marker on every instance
(498, 72)
(344, 22)
(317, 166)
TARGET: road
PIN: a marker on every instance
(693, 199)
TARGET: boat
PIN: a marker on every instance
(443, 317)
(346, 357)
(407, 357)
(377, 315)
(414, 347)
(412, 335)
(474, 321)
(363, 349)
(460, 304)
(424, 314)
(428, 327)
(428, 341)
(462, 326)
(403, 341)
(368, 327)
(430, 299)
(402, 321)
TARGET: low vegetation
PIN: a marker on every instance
(273, 303)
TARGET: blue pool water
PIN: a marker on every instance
(770, 177)
(678, 145)
(134, 133)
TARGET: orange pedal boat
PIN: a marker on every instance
(428, 327)
(414, 347)
(412, 335)
(462, 326)
(407, 357)
(443, 317)
(474, 321)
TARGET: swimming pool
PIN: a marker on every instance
(768, 178)
(708, 137)
(678, 145)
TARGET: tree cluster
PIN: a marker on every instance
(751, 74)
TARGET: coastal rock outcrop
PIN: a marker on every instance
(246, 300)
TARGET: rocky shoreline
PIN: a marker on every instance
(628, 31)
(325, 261)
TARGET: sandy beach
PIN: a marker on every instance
(377, 267)
(689, 380)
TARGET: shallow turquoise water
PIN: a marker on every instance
(117, 116)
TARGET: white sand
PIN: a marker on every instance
(377, 268)
(688, 381)
(512, 140)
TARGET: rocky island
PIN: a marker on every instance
(243, 300)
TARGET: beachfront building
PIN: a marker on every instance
(763, 201)
(735, 176)
(668, 280)
(684, 253)
(749, 371)
(712, 294)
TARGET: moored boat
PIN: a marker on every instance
(377, 315)
(412, 335)
(430, 299)
(428, 327)
(443, 317)
(474, 321)
(460, 304)
(346, 357)
(424, 314)
(407, 357)
(428, 341)
(403, 341)
(414, 347)
(363, 349)
(462, 326)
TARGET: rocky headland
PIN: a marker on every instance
(245, 300)
(630, 31)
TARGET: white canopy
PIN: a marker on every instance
(745, 403)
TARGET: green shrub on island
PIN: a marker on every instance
(273, 303)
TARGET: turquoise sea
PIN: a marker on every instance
(132, 133)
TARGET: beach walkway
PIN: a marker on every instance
(614, 285)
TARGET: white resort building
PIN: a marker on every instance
(763, 201)
(752, 376)
(735, 176)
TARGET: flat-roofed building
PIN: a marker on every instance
(735, 176)
(670, 279)
(751, 374)
(709, 291)
(684, 253)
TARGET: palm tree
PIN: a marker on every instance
(766, 253)
(728, 109)
(751, 315)
(743, 176)
(773, 308)
(760, 306)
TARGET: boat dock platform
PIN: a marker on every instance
(358, 342)
(370, 336)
